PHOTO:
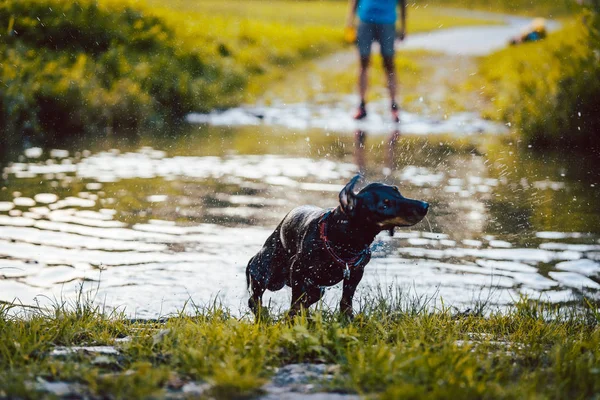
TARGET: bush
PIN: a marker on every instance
(73, 67)
(549, 90)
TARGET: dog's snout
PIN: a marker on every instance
(420, 209)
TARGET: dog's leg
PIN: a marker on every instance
(266, 270)
(303, 296)
(350, 285)
(296, 282)
(297, 294)
(255, 300)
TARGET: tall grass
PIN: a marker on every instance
(396, 346)
(73, 67)
(549, 90)
(543, 8)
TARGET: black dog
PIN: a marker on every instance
(313, 248)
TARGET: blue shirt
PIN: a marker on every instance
(377, 11)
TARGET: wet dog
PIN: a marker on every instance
(313, 248)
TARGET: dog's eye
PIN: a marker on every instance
(386, 203)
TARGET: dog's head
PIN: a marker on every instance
(381, 205)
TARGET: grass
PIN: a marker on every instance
(327, 17)
(306, 13)
(395, 346)
(114, 67)
(544, 8)
(548, 90)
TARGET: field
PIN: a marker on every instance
(304, 13)
(543, 8)
(396, 346)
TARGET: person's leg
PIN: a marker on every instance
(363, 77)
(364, 40)
(390, 71)
(363, 82)
(386, 37)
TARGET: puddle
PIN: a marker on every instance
(148, 227)
(336, 118)
(94, 220)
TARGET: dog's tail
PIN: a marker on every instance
(247, 279)
(248, 275)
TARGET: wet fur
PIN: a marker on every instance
(294, 254)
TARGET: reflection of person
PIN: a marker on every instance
(377, 23)
(390, 156)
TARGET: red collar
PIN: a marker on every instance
(360, 259)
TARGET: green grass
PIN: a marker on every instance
(549, 90)
(395, 346)
(543, 8)
(306, 13)
(113, 67)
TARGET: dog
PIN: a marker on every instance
(313, 248)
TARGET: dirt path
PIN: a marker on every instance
(474, 40)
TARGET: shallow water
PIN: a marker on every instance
(333, 116)
(169, 221)
(156, 225)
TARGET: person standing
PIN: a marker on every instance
(377, 23)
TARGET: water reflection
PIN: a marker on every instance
(182, 218)
(360, 151)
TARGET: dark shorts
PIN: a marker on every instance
(368, 33)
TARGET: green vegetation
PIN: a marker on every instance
(114, 66)
(549, 90)
(71, 67)
(304, 13)
(393, 347)
(543, 8)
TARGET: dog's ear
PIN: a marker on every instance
(348, 197)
